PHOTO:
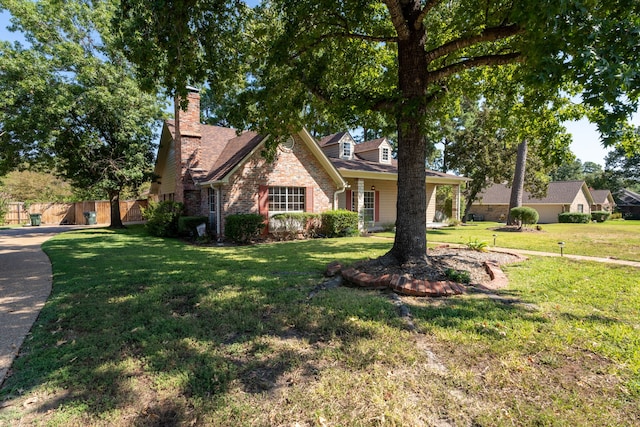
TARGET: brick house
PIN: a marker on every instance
(562, 196)
(216, 171)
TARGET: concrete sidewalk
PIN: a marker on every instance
(25, 285)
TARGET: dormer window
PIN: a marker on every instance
(346, 150)
(385, 155)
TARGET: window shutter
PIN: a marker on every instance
(308, 199)
(348, 200)
(263, 201)
(376, 207)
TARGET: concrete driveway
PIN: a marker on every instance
(25, 284)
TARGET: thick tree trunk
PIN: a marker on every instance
(114, 204)
(411, 240)
(517, 189)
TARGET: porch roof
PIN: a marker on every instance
(360, 168)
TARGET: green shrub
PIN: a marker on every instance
(288, 226)
(477, 245)
(459, 276)
(574, 217)
(616, 215)
(340, 223)
(4, 209)
(525, 215)
(242, 228)
(162, 218)
(599, 216)
(389, 227)
(187, 225)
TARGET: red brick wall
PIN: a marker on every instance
(297, 168)
(187, 144)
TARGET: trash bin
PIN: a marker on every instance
(90, 218)
(35, 219)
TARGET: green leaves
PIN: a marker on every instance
(72, 100)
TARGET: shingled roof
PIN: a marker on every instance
(600, 196)
(559, 193)
(331, 139)
(221, 150)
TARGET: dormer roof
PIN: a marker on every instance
(374, 144)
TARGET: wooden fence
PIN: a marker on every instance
(73, 213)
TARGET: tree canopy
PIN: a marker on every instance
(72, 100)
(401, 59)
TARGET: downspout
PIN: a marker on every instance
(335, 195)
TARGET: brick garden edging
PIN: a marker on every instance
(406, 285)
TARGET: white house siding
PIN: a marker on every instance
(431, 202)
(581, 199)
(548, 213)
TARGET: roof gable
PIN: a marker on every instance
(559, 192)
(335, 138)
(601, 196)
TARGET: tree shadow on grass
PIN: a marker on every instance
(144, 327)
(125, 326)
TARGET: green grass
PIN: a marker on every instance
(148, 331)
(618, 239)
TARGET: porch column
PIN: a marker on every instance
(360, 204)
(455, 203)
(431, 203)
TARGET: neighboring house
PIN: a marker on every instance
(562, 196)
(602, 200)
(216, 171)
(628, 203)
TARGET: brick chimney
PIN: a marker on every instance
(187, 141)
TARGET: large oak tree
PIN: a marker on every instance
(401, 58)
(71, 101)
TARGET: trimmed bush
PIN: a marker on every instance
(340, 223)
(162, 218)
(187, 225)
(242, 228)
(599, 216)
(4, 209)
(288, 226)
(525, 215)
(574, 217)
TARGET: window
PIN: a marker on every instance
(346, 149)
(213, 207)
(369, 205)
(212, 200)
(385, 154)
(286, 199)
(580, 208)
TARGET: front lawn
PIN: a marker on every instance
(618, 239)
(149, 331)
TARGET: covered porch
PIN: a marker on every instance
(374, 196)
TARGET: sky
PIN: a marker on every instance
(586, 143)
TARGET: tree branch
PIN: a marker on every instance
(425, 11)
(479, 61)
(487, 35)
(366, 37)
(397, 18)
